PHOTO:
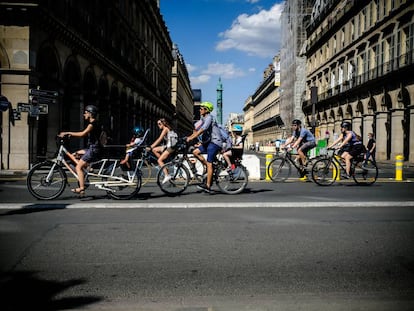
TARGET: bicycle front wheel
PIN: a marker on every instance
(365, 173)
(324, 172)
(232, 182)
(46, 180)
(279, 169)
(124, 185)
(173, 178)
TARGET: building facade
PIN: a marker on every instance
(360, 58)
(294, 18)
(262, 121)
(116, 55)
(181, 95)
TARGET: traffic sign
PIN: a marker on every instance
(43, 93)
(43, 109)
(23, 107)
(37, 100)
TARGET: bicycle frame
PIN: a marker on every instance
(47, 180)
(327, 170)
(106, 169)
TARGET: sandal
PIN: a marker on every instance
(80, 191)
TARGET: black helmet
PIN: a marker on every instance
(346, 125)
(296, 122)
(92, 109)
(138, 131)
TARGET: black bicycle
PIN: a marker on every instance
(280, 167)
(328, 170)
(184, 171)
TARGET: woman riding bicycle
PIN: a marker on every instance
(350, 146)
(93, 131)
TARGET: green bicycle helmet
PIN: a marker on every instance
(209, 106)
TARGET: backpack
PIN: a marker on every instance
(225, 136)
(172, 139)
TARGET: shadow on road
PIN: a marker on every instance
(35, 208)
(23, 290)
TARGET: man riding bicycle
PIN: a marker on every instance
(211, 142)
(303, 140)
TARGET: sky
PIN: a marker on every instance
(234, 40)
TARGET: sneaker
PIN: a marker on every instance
(166, 179)
(304, 178)
(204, 188)
(345, 176)
(303, 173)
(228, 169)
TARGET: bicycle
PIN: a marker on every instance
(47, 180)
(187, 169)
(326, 171)
(179, 169)
(280, 167)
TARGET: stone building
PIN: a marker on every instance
(262, 121)
(360, 57)
(116, 55)
(181, 95)
(294, 18)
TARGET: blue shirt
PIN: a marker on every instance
(306, 135)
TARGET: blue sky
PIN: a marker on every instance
(232, 39)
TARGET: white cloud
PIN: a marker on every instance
(226, 71)
(257, 34)
(190, 68)
(201, 79)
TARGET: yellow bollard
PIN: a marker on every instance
(335, 171)
(269, 158)
(399, 160)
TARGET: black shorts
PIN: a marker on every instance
(307, 146)
(356, 150)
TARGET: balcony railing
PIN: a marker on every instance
(370, 75)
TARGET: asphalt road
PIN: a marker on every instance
(14, 194)
(285, 258)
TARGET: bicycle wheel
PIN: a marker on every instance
(124, 185)
(46, 180)
(231, 182)
(179, 178)
(279, 169)
(324, 172)
(365, 174)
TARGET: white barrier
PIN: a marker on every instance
(252, 163)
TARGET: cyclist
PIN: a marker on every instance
(164, 145)
(93, 131)
(349, 144)
(303, 140)
(210, 142)
(236, 144)
(136, 140)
